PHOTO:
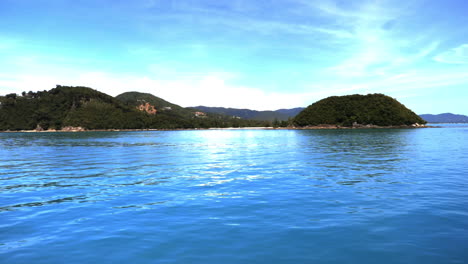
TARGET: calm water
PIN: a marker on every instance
(243, 196)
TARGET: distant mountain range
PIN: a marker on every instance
(445, 118)
(279, 115)
(285, 114)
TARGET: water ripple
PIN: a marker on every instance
(234, 196)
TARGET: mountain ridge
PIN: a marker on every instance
(445, 118)
(266, 115)
(292, 112)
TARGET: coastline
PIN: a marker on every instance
(320, 127)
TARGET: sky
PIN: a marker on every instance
(262, 55)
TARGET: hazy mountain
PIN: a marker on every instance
(445, 118)
(280, 115)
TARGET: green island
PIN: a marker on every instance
(372, 110)
(67, 108)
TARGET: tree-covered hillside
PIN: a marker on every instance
(374, 109)
(66, 106)
(137, 98)
(169, 115)
(84, 107)
(163, 107)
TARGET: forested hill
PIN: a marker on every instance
(371, 109)
(280, 115)
(167, 112)
(137, 98)
(445, 118)
(66, 106)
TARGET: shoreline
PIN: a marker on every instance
(320, 127)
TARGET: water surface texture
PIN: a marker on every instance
(235, 196)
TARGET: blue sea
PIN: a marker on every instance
(235, 196)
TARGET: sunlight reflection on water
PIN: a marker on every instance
(233, 195)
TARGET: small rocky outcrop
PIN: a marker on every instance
(146, 107)
(418, 125)
(72, 129)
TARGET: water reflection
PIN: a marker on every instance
(355, 156)
(181, 165)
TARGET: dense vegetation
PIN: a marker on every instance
(170, 115)
(84, 107)
(374, 109)
(66, 106)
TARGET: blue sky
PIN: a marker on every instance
(261, 55)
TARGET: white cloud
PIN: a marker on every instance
(458, 55)
(19, 83)
(209, 89)
(216, 89)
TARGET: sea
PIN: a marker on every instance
(235, 196)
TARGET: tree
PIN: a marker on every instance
(11, 96)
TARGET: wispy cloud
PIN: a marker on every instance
(248, 20)
(458, 55)
(378, 48)
(428, 50)
(364, 10)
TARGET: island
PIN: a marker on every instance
(358, 111)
